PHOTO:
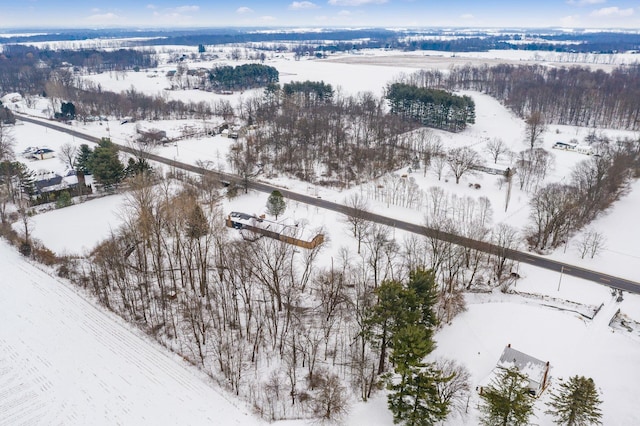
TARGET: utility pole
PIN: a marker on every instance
(560, 280)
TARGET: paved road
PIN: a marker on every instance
(521, 256)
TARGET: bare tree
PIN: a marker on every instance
(357, 217)
(380, 245)
(496, 148)
(591, 243)
(506, 238)
(462, 160)
(552, 214)
(455, 392)
(27, 224)
(439, 162)
(7, 142)
(67, 154)
(330, 404)
(535, 128)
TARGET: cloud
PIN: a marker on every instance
(585, 2)
(612, 11)
(186, 9)
(152, 6)
(344, 13)
(267, 18)
(570, 21)
(244, 9)
(467, 16)
(103, 17)
(355, 2)
(299, 5)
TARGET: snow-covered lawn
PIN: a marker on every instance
(75, 230)
(572, 345)
(65, 361)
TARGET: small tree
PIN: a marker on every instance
(462, 160)
(576, 403)
(506, 401)
(496, 148)
(414, 398)
(68, 154)
(357, 218)
(331, 402)
(7, 141)
(535, 128)
(454, 392)
(63, 200)
(276, 204)
(83, 159)
(68, 111)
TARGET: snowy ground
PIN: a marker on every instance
(64, 361)
(47, 318)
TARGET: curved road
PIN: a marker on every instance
(521, 256)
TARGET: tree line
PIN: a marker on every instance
(26, 69)
(560, 209)
(573, 95)
(431, 107)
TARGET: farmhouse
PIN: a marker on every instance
(259, 226)
(537, 371)
(581, 149)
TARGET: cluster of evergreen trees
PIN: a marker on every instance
(403, 321)
(312, 92)
(506, 402)
(104, 163)
(432, 107)
(241, 77)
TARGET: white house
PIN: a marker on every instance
(537, 371)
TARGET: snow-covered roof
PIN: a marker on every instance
(532, 367)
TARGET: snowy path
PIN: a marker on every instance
(63, 361)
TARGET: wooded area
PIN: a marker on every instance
(577, 96)
(432, 107)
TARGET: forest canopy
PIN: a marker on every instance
(241, 77)
(432, 107)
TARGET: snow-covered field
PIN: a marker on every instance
(65, 361)
(102, 381)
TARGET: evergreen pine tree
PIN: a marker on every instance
(276, 204)
(197, 225)
(403, 321)
(107, 168)
(414, 397)
(83, 159)
(396, 308)
(423, 284)
(576, 403)
(506, 401)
